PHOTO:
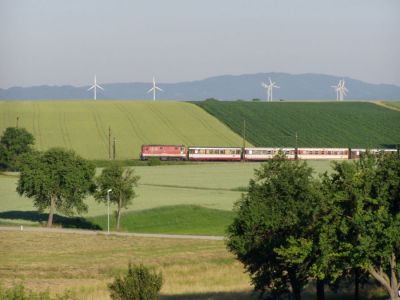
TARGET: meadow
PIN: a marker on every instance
(84, 125)
(195, 199)
(317, 124)
(85, 264)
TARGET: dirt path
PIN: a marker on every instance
(381, 103)
(82, 231)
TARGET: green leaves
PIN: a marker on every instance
(58, 174)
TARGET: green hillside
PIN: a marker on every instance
(83, 125)
(325, 124)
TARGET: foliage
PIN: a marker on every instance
(154, 161)
(317, 124)
(273, 223)
(83, 125)
(14, 143)
(121, 181)
(138, 284)
(366, 196)
(56, 179)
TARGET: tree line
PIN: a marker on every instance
(59, 179)
(292, 228)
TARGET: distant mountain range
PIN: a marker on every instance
(226, 87)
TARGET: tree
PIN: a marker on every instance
(57, 179)
(13, 144)
(367, 203)
(138, 284)
(122, 182)
(273, 223)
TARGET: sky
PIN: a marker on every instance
(66, 42)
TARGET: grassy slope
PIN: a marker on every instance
(83, 125)
(183, 219)
(332, 124)
(210, 186)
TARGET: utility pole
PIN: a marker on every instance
(244, 140)
(296, 147)
(17, 121)
(114, 149)
(109, 142)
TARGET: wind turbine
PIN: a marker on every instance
(95, 86)
(269, 88)
(340, 89)
(154, 88)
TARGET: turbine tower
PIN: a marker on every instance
(95, 86)
(341, 90)
(153, 89)
(269, 88)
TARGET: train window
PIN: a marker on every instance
(329, 152)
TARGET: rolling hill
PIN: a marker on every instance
(317, 124)
(83, 125)
(225, 87)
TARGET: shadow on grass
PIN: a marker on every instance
(34, 216)
(212, 296)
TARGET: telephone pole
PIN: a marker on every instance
(114, 149)
(109, 142)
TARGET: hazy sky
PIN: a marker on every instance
(66, 42)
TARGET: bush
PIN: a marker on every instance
(154, 161)
(138, 284)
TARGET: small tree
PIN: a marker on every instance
(138, 284)
(122, 182)
(14, 143)
(56, 179)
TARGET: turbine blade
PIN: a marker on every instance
(91, 88)
(150, 90)
(157, 88)
(99, 87)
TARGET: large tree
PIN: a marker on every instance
(14, 143)
(273, 222)
(366, 230)
(122, 182)
(57, 179)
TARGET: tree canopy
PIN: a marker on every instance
(13, 144)
(57, 179)
(122, 182)
(273, 216)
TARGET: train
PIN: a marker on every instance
(202, 153)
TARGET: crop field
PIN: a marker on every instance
(84, 125)
(211, 187)
(317, 124)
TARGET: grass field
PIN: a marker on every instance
(392, 104)
(84, 264)
(83, 125)
(317, 124)
(212, 186)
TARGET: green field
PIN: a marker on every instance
(83, 125)
(214, 187)
(391, 104)
(317, 124)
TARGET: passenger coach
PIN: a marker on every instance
(214, 153)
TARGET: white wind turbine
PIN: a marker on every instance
(95, 86)
(154, 88)
(269, 88)
(341, 90)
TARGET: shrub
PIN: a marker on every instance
(18, 292)
(154, 161)
(140, 283)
